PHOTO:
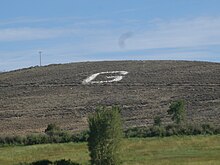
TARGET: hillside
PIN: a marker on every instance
(34, 97)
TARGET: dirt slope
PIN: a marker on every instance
(31, 98)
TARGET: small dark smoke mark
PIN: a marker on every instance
(122, 39)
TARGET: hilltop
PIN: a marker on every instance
(65, 94)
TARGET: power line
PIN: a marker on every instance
(40, 52)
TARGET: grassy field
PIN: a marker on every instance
(193, 150)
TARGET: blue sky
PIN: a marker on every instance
(90, 30)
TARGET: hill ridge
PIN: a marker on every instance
(33, 97)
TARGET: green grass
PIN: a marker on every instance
(193, 150)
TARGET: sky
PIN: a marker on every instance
(94, 30)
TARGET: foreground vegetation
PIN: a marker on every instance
(59, 136)
(103, 124)
(105, 136)
(105, 145)
(203, 150)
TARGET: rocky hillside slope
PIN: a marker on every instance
(65, 94)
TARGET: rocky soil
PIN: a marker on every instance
(34, 97)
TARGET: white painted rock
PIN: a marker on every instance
(90, 79)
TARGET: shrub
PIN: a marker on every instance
(177, 110)
(55, 139)
(31, 139)
(19, 140)
(81, 137)
(156, 131)
(208, 128)
(47, 162)
(136, 132)
(9, 140)
(42, 162)
(23, 164)
(65, 162)
(52, 129)
(105, 134)
(65, 137)
(217, 130)
(194, 129)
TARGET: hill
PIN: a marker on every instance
(65, 94)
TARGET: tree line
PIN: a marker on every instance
(106, 133)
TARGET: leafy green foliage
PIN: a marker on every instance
(105, 135)
(47, 162)
(65, 162)
(153, 131)
(177, 110)
(42, 162)
(172, 129)
(52, 129)
(81, 137)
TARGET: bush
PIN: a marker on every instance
(194, 129)
(65, 162)
(42, 162)
(208, 129)
(9, 140)
(52, 129)
(36, 139)
(47, 162)
(139, 132)
(105, 134)
(65, 137)
(156, 131)
(81, 137)
(217, 130)
(19, 140)
(136, 132)
(172, 129)
(23, 164)
(177, 110)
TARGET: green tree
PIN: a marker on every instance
(52, 129)
(177, 110)
(105, 135)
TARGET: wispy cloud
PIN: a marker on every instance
(178, 35)
(23, 34)
(55, 28)
(27, 20)
(173, 34)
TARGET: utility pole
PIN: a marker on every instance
(40, 52)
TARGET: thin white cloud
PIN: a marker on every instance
(180, 33)
(27, 20)
(175, 34)
(74, 27)
(24, 34)
(82, 21)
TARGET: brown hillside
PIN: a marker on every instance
(34, 97)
